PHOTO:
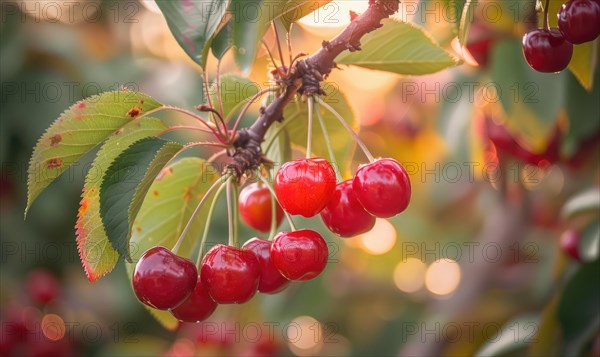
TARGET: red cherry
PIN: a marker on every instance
(305, 186)
(299, 255)
(197, 307)
(271, 281)
(569, 244)
(163, 280)
(547, 50)
(578, 20)
(255, 207)
(231, 275)
(382, 187)
(42, 286)
(344, 215)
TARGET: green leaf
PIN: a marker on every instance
(465, 20)
(583, 63)
(97, 254)
(295, 120)
(172, 198)
(517, 335)
(530, 99)
(77, 131)
(222, 41)
(235, 92)
(251, 19)
(578, 310)
(401, 48)
(126, 183)
(583, 110)
(193, 24)
(583, 202)
(294, 10)
(589, 245)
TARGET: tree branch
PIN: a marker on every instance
(305, 78)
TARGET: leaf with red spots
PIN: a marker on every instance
(125, 184)
(163, 216)
(97, 254)
(78, 130)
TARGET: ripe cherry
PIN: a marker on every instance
(299, 255)
(197, 307)
(163, 280)
(305, 186)
(546, 50)
(382, 187)
(344, 215)
(230, 275)
(578, 20)
(42, 286)
(255, 207)
(271, 280)
(569, 244)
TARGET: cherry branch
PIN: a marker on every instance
(304, 78)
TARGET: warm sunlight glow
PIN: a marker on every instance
(334, 14)
(409, 275)
(442, 276)
(53, 327)
(304, 336)
(379, 240)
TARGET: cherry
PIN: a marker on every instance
(299, 255)
(271, 280)
(255, 207)
(305, 186)
(382, 187)
(231, 275)
(546, 50)
(42, 286)
(197, 307)
(578, 20)
(569, 244)
(163, 280)
(344, 215)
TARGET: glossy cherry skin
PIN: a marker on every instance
(579, 20)
(42, 286)
(569, 244)
(344, 215)
(163, 280)
(230, 275)
(305, 186)
(271, 280)
(547, 50)
(299, 255)
(255, 207)
(382, 187)
(197, 307)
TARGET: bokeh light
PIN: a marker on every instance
(304, 336)
(442, 276)
(379, 240)
(53, 327)
(409, 275)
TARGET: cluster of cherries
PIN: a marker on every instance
(230, 275)
(550, 49)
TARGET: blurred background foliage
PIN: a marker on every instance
(495, 152)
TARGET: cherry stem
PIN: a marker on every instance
(269, 53)
(208, 220)
(197, 210)
(204, 143)
(278, 43)
(328, 142)
(309, 130)
(287, 215)
(289, 45)
(184, 127)
(349, 129)
(229, 214)
(219, 96)
(207, 124)
(273, 211)
(236, 212)
(546, 26)
(247, 106)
